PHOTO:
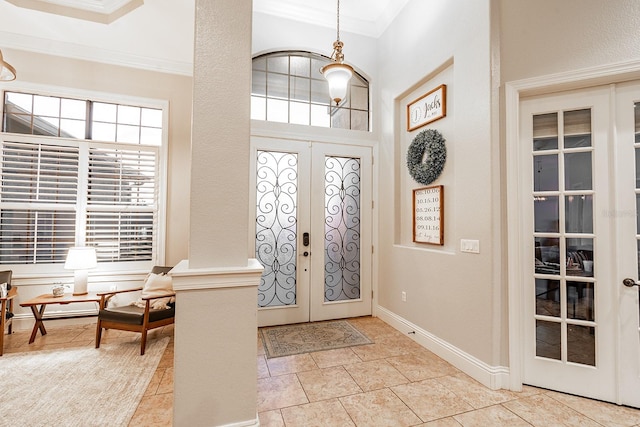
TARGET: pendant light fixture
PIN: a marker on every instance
(7, 72)
(337, 72)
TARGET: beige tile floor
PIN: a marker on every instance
(393, 382)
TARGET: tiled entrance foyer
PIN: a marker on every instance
(393, 382)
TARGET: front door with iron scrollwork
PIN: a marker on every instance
(312, 222)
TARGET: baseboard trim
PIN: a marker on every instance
(25, 321)
(493, 377)
(248, 423)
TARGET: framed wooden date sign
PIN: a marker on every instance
(428, 215)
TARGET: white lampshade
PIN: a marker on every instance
(338, 76)
(7, 72)
(80, 259)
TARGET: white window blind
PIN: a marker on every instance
(122, 203)
(45, 208)
(39, 173)
(39, 190)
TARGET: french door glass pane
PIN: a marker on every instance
(580, 301)
(545, 173)
(276, 226)
(579, 257)
(547, 255)
(545, 132)
(546, 214)
(577, 171)
(563, 202)
(577, 128)
(548, 339)
(579, 214)
(342, 229)
(581, 344)
(548, 297)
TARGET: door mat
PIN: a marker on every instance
(286, 340)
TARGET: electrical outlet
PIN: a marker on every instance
(404, 296)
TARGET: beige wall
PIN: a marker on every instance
(451, 295)
(541, 37)
(53, 71)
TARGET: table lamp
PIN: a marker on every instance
(80, 259)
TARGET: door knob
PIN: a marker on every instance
(629, 283)
(305, 253)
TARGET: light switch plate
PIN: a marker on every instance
(470, 246)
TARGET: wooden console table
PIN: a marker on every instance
(39, 303)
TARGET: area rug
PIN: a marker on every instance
(309, 337)
(77, 387)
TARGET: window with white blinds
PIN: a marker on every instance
(121, 201)
(58, 191)
(39, 190)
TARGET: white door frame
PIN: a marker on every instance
(514, 90)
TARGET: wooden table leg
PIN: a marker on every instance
(37, 314)
(3, 319)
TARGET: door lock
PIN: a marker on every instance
(629, 283)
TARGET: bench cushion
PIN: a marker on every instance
(133, 315)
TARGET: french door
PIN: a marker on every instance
(312, 222)
(580, 163)
(628, 234)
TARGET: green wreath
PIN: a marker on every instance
(430, 142)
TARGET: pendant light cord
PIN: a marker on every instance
(338, 22)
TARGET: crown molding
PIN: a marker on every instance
(94, 54)
(101, 11)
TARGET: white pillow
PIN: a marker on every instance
(157, 285)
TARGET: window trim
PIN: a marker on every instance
(38, 270)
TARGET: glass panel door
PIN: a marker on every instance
(569, 326)
(276, 226)
(563, 236)
(342, 259)
(280, 217)
(342, 178)
(627, 220)
(308, 230)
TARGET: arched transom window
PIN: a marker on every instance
(288, 88)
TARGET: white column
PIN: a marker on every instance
(220, 134)
(215, 373)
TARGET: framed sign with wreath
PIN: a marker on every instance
(428, 215)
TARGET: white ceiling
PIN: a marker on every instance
(165, 43)
(366, 17)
